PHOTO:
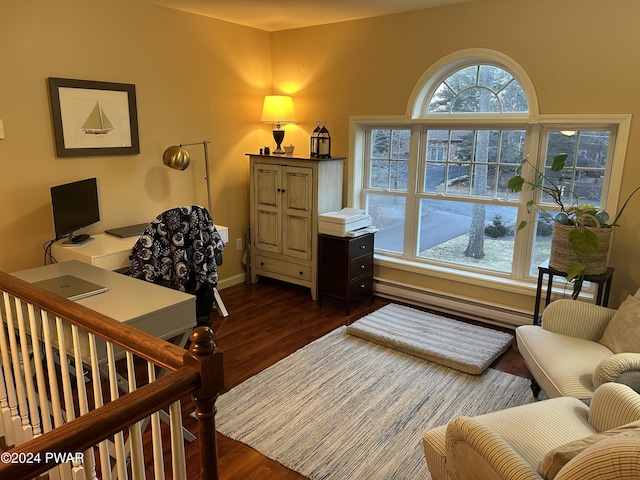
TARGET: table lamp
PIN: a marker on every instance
(278, 109)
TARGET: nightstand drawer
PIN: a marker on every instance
(361, 246)
(361, 286)
(361, 266)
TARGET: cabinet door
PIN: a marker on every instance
(268, 205)
(298, 211)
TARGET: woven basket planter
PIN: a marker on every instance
(562, 254)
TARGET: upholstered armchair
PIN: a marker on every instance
(559, 438)
(579, 346)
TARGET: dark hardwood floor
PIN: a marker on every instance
(267, 322)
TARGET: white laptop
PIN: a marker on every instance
(70, 287)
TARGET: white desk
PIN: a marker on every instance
(107, 251)
(157, 310)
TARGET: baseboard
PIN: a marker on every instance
(494, 314)
(230, 282)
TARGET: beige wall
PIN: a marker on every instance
(582, 56)
(199, 78)
(196, 79)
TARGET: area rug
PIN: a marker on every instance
(459, 345)
(345, 408)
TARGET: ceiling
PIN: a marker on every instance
(274, 15)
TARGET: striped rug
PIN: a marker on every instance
(459, 345)
(345, 408)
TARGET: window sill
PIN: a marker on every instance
(497, 282)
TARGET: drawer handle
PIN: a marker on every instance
(362, 286)
(362, 247)
(262, 264)
(362, 267)
(301, 273)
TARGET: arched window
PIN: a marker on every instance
(474, 82)
(436, 180)
(479, 89)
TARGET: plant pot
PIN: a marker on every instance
(562, 255)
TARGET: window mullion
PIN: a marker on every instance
(417, 150)
(523, 246)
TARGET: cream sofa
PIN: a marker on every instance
(560, 436)
(580, 346)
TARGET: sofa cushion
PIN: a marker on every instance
(557, 458)
(562, 365)
(623, 331)
(614, 458)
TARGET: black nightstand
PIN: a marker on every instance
(603, 281)
(345, 267)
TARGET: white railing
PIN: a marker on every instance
(82, 395)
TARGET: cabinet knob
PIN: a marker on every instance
(362, 247)
(262, 264)
(362, 267)
(362, 286)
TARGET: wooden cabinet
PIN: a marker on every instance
(345, 267)
(287, 194)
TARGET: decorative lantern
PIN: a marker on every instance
(321, 141)
(313, 147)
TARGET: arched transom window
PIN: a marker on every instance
(479, 89)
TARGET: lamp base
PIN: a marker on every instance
(278, 136)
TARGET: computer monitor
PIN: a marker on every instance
(74, 205)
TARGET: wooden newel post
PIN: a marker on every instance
(207, 360)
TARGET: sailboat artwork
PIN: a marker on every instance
(97, 122)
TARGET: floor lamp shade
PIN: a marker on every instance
(176, 157)
(278, 109)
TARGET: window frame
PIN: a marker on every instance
(535, 126)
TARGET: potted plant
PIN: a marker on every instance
(581, 231)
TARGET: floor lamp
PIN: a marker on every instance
(178, 157)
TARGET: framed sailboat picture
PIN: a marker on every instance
(94, 118)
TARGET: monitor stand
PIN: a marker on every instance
(77, 240)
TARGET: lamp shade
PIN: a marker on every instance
(278, 109)
(176, 157)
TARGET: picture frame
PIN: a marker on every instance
(92, 118)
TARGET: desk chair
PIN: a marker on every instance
(180, 249)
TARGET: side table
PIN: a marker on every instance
(345, 267)
(602, 296)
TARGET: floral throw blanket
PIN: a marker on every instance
(178, 249)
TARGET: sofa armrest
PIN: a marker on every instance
(613, 405)
(619, 368)
(476, 452)
(577, 319)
